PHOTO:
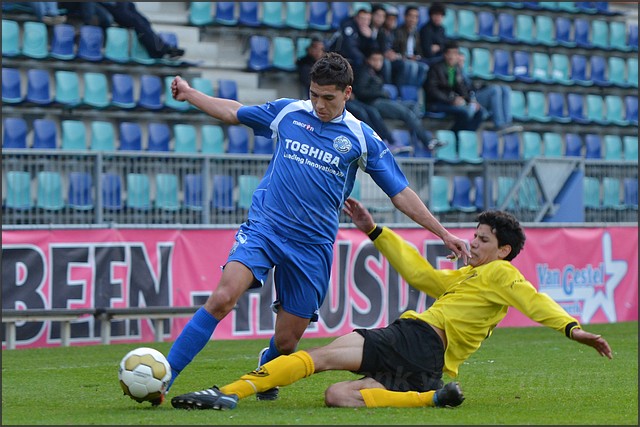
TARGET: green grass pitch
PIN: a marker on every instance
(519, 376)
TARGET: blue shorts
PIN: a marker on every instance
(302, 272)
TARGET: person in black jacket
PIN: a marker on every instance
(432, 35)
(447, 91)
(354, 37)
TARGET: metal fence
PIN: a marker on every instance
(50, 187)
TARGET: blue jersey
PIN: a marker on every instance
(313, 168)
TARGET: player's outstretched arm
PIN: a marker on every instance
(222, 109)
(592, 340)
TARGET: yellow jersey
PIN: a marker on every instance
(470, 301)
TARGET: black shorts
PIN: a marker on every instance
(407, 355)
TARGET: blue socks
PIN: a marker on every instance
(191, 340)
(270, 354)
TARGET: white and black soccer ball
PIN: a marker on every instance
(144, 374)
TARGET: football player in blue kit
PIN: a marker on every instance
(294, 215)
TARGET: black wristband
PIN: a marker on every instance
(375, 233)
(569, 327)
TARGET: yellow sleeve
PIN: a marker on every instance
(410, 264)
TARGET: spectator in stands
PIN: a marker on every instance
(315, 50)
(447, 91)
(125, 14)
(369, 88)
(88, 12)
(293, 219)
(407, 43)
(393, 69)
(45, 11)
(354, 37)
(432, 34)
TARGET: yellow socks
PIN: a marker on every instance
(379, 398)
(281, 371)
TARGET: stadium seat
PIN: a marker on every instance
(598, 71)
(632, 37)
(468, 147)
(448, 153)
(262, 145)
(63, 42)
(201, 13)
(631, 109)
(518, 105)
(505, 184)
(572, 145)
(340, 10)
(540, 63)
(301, 46)
(169, 101)
(630, 147)
(49, 191)
(227, 89)
(618, 36)
(80, 193)
(490, 144)
(593, 146)
(90, 43)
(38, 87)
(238, 137)
(35, 40)
(532, 5)
(449, 21)
(524, 30)
(467, 24)
(11, 86)
(167, 192)
(259, 53)
(632, 72)
(158, 137)
(402, 138)
(439, 200)
(511, 147)
(111, 191)
(506, 30)
(536, 107)
(409, 93)
(272, 14)
(74, 135)
(102, 136)
(582, 33)
(185, 138)
(248, 14)
(296, 15)
(600, 34)
(544, 31)
(563, 34)
(117, 44)
(318, 15)
(193, 185)
(122, 91)
(614, 110)
(481, 63)
(591, 192)
(18, 196)
(579, 70)
(130, 136)
(486, 26)
(612, 147)
(139, 53)
(616, 71)
(204, 85)
(392, 90)
(247, 184)
(138, 191)
(522, 66)
(222, 199)
(557, 107)
(575, 107)
(226, 13)
(560, 69)
(284, 53)
(611, 193)
(595, 109)
(502, 65)
(10, 38)
(67, 90)
(45, 134)
(14, 132)
(528, 195)
(150, 95)
(531, 145)
(552, 144)
(630, 193)
(461, 198)
(479, 199)
(212, 139)
(96, 90)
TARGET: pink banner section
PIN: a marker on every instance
(591, 272)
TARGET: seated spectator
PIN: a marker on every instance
(88, 13)
(393, 68)
(315, 50)
(368, 86)
(354, 37)
(45, 11)
(432, 34)
(407, 43)
(446, 90)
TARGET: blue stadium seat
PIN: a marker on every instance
(193, 185)
(544, 26)
(572, 145)
(630, 147)
(138, 191)
(579, 70)
(552, 144)
(598, 71)
(150, 96)
(392, 90)
(158, 137)
(506, 28)
(340, 10)
(631, 109)
(262, 145)
(259, 53)
(201, 13)
(74, 135)
(582, 33)
(130, 136)
(238, 137)
(185, 137)
(461, 198)
(632, 37)
(531, 145)
(10, 38)
(38, 87)
(80, 193)
(96, 90)
(226, 13)
(116, 48)
(212, 139)
(522, 66)
(49, 194)
(11, 86)
(102, 136)
(511, 147)
(45, 134)
(284, 53)
(63, 42)
(563, 34)
(222, 199)
(630, 193)
(18, 196)
(612, 147)
(490, 144)
(402, 138)
(575, 107)
(35, 40)
(296, 15)
(632, 72)
(170, 102)
(479, 199)
(67, 90)
(272, 14)
(14, 132)
(248, 14)
(319, 15)
(502, 65)
(227, 89)
(111, 191)
(247, 185)
(486, 26)
(122, 91)
(409, 93)
(593, 146)
(90, 43)
(557, 107)
(167, 194)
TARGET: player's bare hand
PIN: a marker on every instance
(592, 340)
(459, 248)
(359, 215)
(179, 88)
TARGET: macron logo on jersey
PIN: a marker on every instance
(303, 125)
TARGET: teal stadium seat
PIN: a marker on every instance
(611, 193)
(615, 110)
(481, 63)
(531, 145)
(632, 72)
(591, 192)
(74, 135)
(284, 53)
(96, 90)
(200, 13)
(18, 196)
(247, 185)
(560, 69)
(595, 109)
(630, 147)
(613, 147)
(537, 107)
(169, 100)
(116, 47)
(139, 53)
(524, 30)
(467, 25)
(204, 85)
(552, 144)
(448, 153)
(600, 34)
(518, 105)
(138, 191)
(439, 201)
(35, 40)
(67, 90)
(616, 71)
(468, 147)
(167, 195)
(212, 139)
(49, 191)
(102, 136)
(185, 138)
(528, 195)
(540, 67)
(505, 184)
(544, 31)
(296, 15)
(10, 38)
(272, 14)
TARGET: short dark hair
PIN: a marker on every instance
(376, 7)
(409, 9)
(437, 8)
(450, 44)
(332, 69)
(507, 230)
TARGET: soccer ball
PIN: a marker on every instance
(144, 374)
